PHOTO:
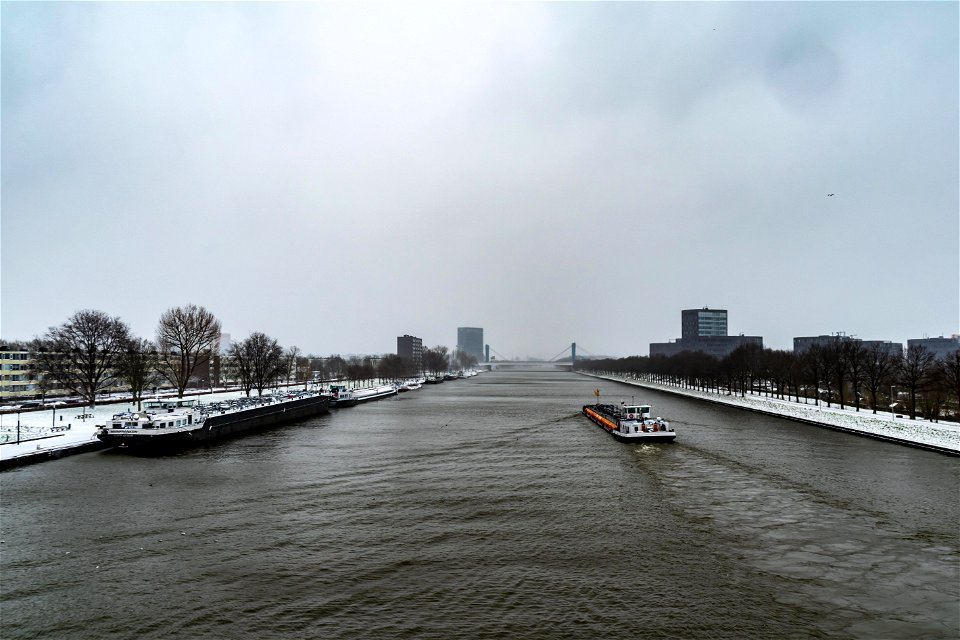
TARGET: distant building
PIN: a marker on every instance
(410, 349)
(699, 323)
(704, 330)
(895, 349)
(207, 373)
(940, 347)
(716, 346)
(18, 378)
(470, 341)
(802, 344)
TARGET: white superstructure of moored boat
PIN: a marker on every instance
(183, 422)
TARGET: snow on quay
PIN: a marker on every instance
(942, 437)
(52, 433)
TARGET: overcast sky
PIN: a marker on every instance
(336, 175)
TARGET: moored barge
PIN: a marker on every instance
(179, 424)
(341, 396)
(630, 423)
(374, 393)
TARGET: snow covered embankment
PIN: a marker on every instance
(943, 437)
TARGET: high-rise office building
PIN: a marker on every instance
(470, 341)
(410, 349)
(704, 330)
(701, 323)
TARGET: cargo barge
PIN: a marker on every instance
(630, 423)
(374, 393)
(163, 425)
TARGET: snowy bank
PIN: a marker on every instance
(942, 437)
(60, 432)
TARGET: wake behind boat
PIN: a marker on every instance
(630, 423)
(179, 423)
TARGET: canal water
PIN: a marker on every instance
(490, 508)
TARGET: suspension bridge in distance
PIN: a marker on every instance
(565, 360)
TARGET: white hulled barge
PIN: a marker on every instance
(181, 423)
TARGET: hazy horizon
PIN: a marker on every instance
(337, 175)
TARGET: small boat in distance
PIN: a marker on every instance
(630, 423)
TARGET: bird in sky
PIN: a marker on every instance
(829, 194)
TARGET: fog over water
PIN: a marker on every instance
(336, 175)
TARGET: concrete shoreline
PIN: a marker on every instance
(51, 453)
(938, 437)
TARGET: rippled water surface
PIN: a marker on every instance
(488, 508)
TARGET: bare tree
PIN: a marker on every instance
(302, 371)
(368, 370)
(186, 337)
(266, 360)
(391, 367)
(796, 374)
(259, 361)
(354, 368)
(241, 366)
(463, 360)
(828, 365)
(336, 366)
(934, 394)
(360, 369)
(317, 369)
(950, 372)
(435, 359)
(83, 354)
(878, 367)
(854, 354)
(780, 363)
(913, 372)
(290, 360)
(138, 366)
(742, 363)
(813, 367)
(839, 361)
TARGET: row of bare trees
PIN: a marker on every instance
(93, 351)
(435, 360)
(843, 371)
